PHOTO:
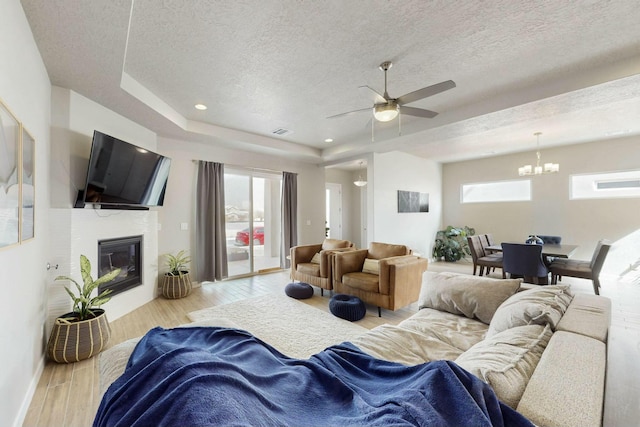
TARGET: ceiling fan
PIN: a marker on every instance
(386, 108)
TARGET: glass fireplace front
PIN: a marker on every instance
(124, 253)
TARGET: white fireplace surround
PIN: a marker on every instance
(77, 232)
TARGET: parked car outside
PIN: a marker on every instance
(242, 236)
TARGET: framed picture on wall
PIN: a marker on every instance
(9, 177)
(412, 201)
(27, 190)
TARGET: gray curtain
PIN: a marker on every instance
(289, 216)
(210, 223)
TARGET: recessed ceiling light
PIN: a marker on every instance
(328, 140)
(200, 107)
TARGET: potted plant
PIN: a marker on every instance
(451, 243)
(83, 332)
(177, 281)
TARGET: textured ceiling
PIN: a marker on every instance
(567, 69)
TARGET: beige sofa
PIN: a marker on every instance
(542, 349)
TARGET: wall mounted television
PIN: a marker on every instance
(123, 176)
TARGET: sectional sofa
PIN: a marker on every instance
(542, 349)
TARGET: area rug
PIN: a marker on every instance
(293, 327)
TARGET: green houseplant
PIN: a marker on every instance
(83, 332)
(451, 243)
(177, 280)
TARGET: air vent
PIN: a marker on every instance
(281, 132)
(610, 185)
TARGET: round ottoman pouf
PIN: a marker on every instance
(347, 307)
(299, 290)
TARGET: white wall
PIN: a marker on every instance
(180, 196)
(581, 222)
(25, 88)
(399, 171)
(77, 231)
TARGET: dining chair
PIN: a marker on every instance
(486, 240)
(481, 259)
(582, 269)
(526, 261)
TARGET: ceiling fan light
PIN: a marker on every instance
(385, 112)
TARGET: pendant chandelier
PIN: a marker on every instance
(537, 169)
(360, 182)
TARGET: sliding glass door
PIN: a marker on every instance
(253, 215)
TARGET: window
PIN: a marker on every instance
(501, 191)
(605, 185)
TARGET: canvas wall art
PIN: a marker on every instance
(17, 178)
(412, 201)
(9, 177)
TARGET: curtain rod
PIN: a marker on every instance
(245, 167)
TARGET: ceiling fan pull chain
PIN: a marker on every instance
(399, 124)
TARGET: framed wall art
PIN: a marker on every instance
(27, 190)
(9, 177)
(412, 201)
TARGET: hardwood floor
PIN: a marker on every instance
(67, 395)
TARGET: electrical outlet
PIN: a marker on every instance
(184, 226)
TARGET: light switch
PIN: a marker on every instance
(184, 226)
(308, 222)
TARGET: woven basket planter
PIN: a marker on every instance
(74, 341)
(175, 287)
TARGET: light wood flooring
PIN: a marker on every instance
(67, 395)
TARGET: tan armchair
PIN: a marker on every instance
(396, 283)
(318, 271)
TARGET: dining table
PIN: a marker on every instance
(548, 250)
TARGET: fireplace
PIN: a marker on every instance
(124, 253)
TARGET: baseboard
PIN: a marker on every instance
(31, 391)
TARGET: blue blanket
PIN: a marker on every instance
(221, 376)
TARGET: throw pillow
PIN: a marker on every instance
(371, 266)
(335, 244)
(537, 306)
(316, 258)
(507, 360)
(462, 294)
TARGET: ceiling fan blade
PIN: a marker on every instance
(349, 113)
(374, 94)
(418, 112)
(426, 91)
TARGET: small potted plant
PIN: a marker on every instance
(83, 332)
(177, 281)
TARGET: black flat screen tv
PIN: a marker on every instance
(123, 175)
